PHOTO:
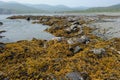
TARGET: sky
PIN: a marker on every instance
(70, 3)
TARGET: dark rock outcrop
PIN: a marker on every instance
(1, 23)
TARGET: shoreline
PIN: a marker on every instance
(74, 51)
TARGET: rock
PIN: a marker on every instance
(58, 38)
(74, 76)
(98, 51)
(1, 23)
(28, 19)
(73, 27)
(70, 41)
(77, 49)
(84, 39)
(68, 30)
(45, 19)
(77, 76)
(76, 22)
(72, 19)
(6, 79)
(118, 52)
(2, 31)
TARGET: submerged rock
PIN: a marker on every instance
(1, 23)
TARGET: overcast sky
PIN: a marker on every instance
(70, 3)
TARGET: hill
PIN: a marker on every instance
(113, 8)
(17, 7)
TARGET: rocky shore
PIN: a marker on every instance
(74, 54)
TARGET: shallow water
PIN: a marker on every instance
(22, 30)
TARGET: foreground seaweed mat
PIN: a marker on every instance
(73, 55)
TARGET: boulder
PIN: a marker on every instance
(75, 22)
(2, 31)
(70, 41)
(84, 39)
(77, 49)
(98, 51)
(77, 76)
(68, 30)
(72, 19)
(58, 38)
(74, 76)
(45, 19)
(1, 23)
(73, 27)
(28, 18)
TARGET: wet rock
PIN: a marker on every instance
(70, 41)
(28, 18)
(68, 30)
(58, 38)
(1, 23)
(2, 31)
(98, 51)
(74, 76)
(73, 27)
(76, 22)
(77, 76)
(84, 39)
(77, 49)
(45, 19)
(6, 79)
(72, 19)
